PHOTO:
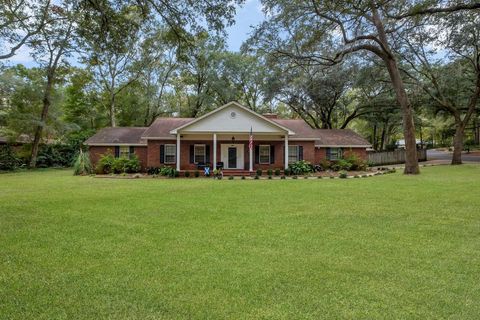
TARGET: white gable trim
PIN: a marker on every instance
(282, 128)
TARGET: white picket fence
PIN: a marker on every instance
(393, 157)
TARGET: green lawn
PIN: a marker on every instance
(386, 247)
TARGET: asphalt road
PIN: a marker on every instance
(442, 155)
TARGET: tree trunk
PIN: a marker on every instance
(458, 143)
(112, 111)
(411, 160)
(43, 120)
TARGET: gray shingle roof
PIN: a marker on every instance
(161, 128)
(323, 137)
(117, 135)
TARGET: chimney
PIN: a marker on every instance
(270, 115)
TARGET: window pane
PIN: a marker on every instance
(170, 151)
(335, 153)
(199, 153)
(292, 154)
(124, 152)
(264, 154)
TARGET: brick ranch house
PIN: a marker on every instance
(220, 139)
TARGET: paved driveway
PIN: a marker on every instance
(443, 155)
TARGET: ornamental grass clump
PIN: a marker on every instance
(82, 165)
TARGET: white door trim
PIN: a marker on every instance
(240, 155)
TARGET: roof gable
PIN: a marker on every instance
(232, 117)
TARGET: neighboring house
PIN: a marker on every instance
(221, 139)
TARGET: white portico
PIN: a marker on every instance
(229, 127)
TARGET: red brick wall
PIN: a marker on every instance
(321, 153)
(97, 151)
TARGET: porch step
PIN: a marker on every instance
(237, 173)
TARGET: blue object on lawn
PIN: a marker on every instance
(207, 171)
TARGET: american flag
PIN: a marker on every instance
(250, 140)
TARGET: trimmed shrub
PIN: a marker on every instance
(269, 172)
(176, 173)
(167, 171)
(342, 174)
(287, 171)
(196, 173)
(283, 177)
(230, 178)
(243, 178)
(259, 172)
(257, 177)
(277, 172)
(270, 177)
(82, 164)
(187, 174)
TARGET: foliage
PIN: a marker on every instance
(277, 172)
(167, 171)
(342, 174)
(187, 174)
(269, 172)
(56, 155)
(196, 173)
(287, 171)
(8, 158)
(82, 164)
(153, 170)
(301, 167)
(259, 172)
(109, 164)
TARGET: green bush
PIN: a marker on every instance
(325, 164)
(230, 178)
(9, 159)
(357, 164)
(277, 172)
(132, 165)
(196, 173)
(168, 171)
(301, 167)
(270, 177)
(187, 174)
(176, 173)
(270, 172)
(342, 174)
(344, 164)
(105, 164)
(259, 172)
(82, 164)
(287, 171)
(56, 155)
(153, 170)
(257, 177)
(243, 178)
(283, 177)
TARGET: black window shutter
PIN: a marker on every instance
(192, 158)
(329, 152)
(257, 154)
(207, 153)
(272, 154)
(162, 153)
(300, 152)
(131, 151)
(117, 151)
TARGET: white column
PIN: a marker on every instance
(250, 158)
(214, 151)
(286, 151)
(178, 152)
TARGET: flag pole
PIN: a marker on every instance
(250, 147)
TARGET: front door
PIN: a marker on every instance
(232, 157)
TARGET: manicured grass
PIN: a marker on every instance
(384, 247)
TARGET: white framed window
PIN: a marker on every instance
(336, 153)
(170, 153)
(264, 154)
(199, 153)
(124, 152)
(293, 153)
